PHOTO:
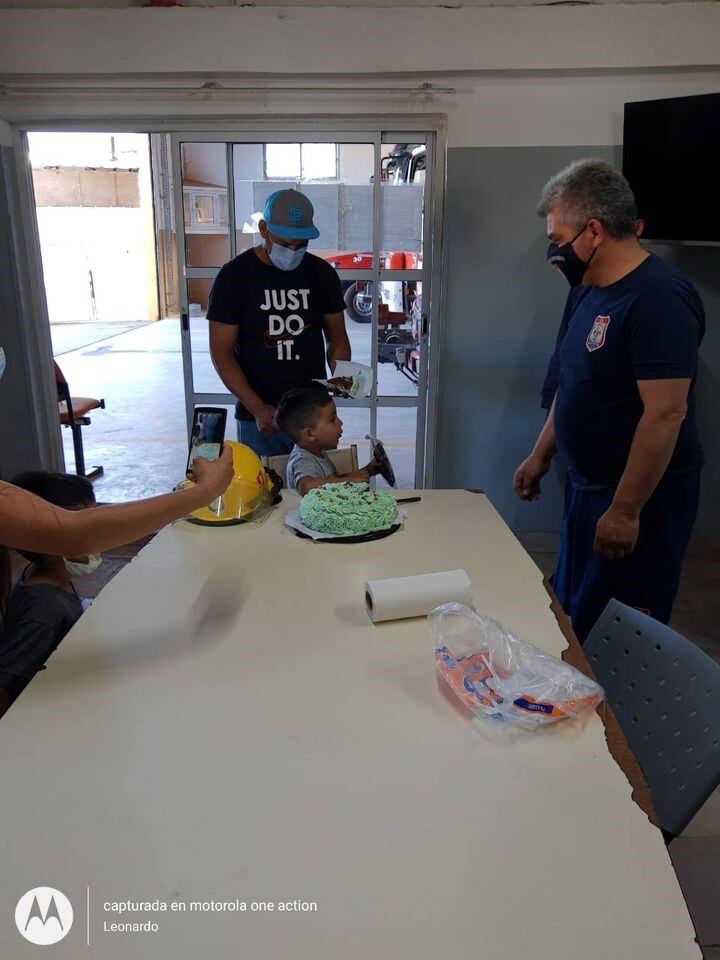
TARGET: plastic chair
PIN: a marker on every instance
(665, 693)
(74, 414)
(345, 460)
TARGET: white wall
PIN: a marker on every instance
(331, 40)
(107, 242)
(521, 76)
(205, 162)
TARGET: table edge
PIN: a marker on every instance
(617, 743)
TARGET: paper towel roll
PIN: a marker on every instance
(401, 597)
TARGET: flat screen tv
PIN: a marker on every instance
(671, 157)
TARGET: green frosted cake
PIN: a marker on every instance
(347, 509)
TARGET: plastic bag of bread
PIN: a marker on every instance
(500, 677)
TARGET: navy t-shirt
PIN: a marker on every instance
(646, 326)
(279, 315)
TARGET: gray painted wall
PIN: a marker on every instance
(503, 308)
(702, 265)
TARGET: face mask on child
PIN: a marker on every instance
(77, 569)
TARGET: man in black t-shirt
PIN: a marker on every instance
(276, 314)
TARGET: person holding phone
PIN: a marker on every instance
(276, 315)
(207, 434)
(30, 523)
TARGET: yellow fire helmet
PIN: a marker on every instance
(248, 498)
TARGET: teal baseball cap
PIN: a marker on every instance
(289, 214)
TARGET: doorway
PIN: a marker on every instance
(373, 193)
(95, 215)
(370, 191)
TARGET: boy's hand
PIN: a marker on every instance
(373, 468)
(213, 476)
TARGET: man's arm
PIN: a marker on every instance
(526, 481)
(29, 523)
(338, 344)
(665, 403)
(222, 351)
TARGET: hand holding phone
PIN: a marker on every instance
(214, 476)
(207, 434)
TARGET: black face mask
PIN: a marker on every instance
(569, 264)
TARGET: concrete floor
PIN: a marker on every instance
(73, 336)
(140, 437)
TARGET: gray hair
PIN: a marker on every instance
(592, 189)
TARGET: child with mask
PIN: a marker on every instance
(43, 605)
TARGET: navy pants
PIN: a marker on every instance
(646, 579)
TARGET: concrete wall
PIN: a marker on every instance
(81, 187)
(95, 267)
(702, 265)
(253, 40)
(503, 309)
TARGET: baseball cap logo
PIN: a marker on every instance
(44, 915)
(296, 213)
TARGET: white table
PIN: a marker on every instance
(226, 723)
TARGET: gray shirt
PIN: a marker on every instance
(37, 618)
(302, 463)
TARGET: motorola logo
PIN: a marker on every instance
(44, 915)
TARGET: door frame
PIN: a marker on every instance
(32, 335)
(426, 400)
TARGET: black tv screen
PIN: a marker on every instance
(671, 157)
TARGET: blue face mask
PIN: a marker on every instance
(285, 258)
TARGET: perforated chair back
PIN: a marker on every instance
(665, 693)
(344, 459)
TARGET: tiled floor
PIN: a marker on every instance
(696, 615)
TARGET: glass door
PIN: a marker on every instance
(370, 193)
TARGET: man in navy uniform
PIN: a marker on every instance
(276, 316)
(623, 416)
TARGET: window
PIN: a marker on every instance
(301, 161)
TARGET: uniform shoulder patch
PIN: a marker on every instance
(596, 337)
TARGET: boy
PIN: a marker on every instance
(44, 605)
(309, 417)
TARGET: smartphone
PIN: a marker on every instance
(207, 434)
(380, 454)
